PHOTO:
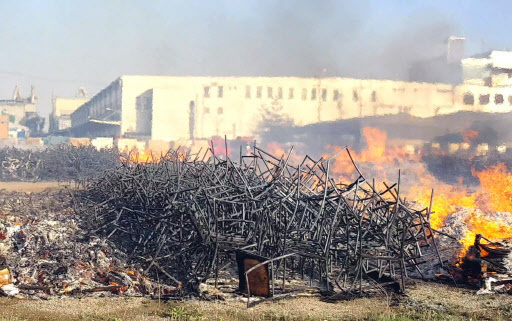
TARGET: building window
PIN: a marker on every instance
(207, 91)
(498, 99)
(221, 91)
(258, 91)
(304, 94)
(336, 95)
(269, 92)
(469, 99)
(374, 96)
(247, 91)
(313, 94)
(324, 94)
(290, 93)
(280, 92)
(220, 111)
(484, 99)
(510, 100)
(355, 95)
(206, 110)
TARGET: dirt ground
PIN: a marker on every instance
(31, 187)
(424, 301)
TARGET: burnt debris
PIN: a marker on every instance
(183, 218)
(57, 163)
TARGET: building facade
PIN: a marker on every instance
(174, 108)
(62, 108)
(16, 111)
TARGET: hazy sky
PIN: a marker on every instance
(59, 46)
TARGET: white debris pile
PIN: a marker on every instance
(44, 252)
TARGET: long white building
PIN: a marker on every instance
(172, 108)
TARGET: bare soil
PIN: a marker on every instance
(32, 187)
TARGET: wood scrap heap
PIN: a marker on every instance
(182, 219)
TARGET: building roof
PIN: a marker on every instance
(495, 58)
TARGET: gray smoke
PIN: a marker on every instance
(81, 46)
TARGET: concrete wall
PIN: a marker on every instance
(66, 106)
(144, 113)
(62, 109)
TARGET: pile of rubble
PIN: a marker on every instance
(45, 252)
(57, 163)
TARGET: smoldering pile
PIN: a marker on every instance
(184, 217)
(44, 251)
(57, 163)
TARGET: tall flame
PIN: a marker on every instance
(494, 194)
(496, 182)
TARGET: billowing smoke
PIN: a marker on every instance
(80, 46)
(306, 38)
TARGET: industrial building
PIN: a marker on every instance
(173, 108)
(62, 108)
(19, 116)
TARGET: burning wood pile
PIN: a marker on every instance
(58, 163)
(183, 219)
(488, 265)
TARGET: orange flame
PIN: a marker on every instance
(274, 149)
(148, 156)
(495, 195)
(496, 182)
(376, 151)
(469, 135)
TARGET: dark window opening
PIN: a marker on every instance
(280, 92)
(498, 99)
(221, 91)
(484, 99)
(258, 91)
(374, 96)
(207, 91)
(290, 93)
(469, 99)
(313, 94)
(510, 100)
(336, 95)
(324, 94)
(247, 91)
(269, 92)
(355, 95)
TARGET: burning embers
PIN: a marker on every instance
(487, 265)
